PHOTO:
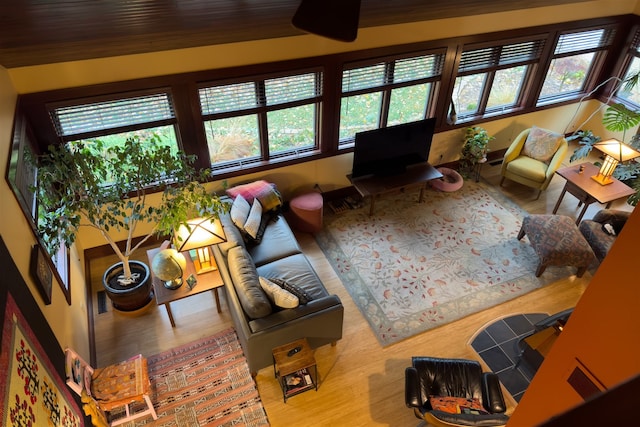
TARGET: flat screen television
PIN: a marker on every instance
(390, 150)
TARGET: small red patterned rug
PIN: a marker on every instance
(204, 383)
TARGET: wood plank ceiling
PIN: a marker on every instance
(36, 32)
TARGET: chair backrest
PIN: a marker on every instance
(449, 377)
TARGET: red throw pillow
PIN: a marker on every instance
(457, 405)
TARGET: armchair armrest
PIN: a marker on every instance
(492, 397)
(605, 215)
(412, 388)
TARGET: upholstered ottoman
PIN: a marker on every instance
(557, 242)
(305, 212)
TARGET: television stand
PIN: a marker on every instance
(373, 186)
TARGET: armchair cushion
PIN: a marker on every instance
(598, 237)
(541, 144)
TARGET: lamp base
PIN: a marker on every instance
(602, 179)
(204, 267)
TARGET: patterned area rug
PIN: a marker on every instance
(204, 383)
(415, 266)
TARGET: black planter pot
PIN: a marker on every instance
(130, 297)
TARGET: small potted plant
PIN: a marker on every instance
(474, 149)
(106, 187)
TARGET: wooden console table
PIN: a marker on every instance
(373, 186)
(588, 191)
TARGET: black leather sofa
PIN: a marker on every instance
(429, 376)
(259, 325)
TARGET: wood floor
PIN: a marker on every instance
(362, 384)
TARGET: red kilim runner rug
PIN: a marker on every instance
(204, 383)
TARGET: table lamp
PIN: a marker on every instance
(615, 151)
(200, 234)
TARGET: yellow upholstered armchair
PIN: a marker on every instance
(533, 157)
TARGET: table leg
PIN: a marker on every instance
(215, 292)
(373, 202)
(421, 196)
(584, 209)
(564, 190)
(170, 314)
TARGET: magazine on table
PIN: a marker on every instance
(297, 381)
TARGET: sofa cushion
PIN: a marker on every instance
(278, 241)
(296, 270)
(279, 297)
(254, 301)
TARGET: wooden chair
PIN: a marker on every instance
(121, 390)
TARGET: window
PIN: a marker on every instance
(574, 61)
(630, 93)
(261, 120)
(490, 79)
(388, 93)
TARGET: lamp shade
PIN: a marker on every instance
(199, 232)
(617, 149)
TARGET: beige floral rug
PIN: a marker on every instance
(415, 266)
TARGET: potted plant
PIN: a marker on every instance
(107, 187)
(474, 150)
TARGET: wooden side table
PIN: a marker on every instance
(295, 368)
(588, 191)
(211, 280)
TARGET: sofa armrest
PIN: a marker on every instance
(412, 388)
(492, 397)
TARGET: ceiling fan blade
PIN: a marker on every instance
(335, 19)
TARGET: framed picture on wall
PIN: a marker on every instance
(40, 270)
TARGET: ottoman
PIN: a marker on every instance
(557, 242)
(305, 212)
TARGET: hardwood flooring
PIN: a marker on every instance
(361, 383)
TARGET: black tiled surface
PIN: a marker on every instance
(483, 341)
(498, 346)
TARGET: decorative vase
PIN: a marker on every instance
(128, 297)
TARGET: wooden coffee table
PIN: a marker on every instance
(415, 176)
(588, 191)
(205, 282)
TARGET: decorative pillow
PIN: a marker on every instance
(252, 225)
(261, 190)
(303, 296)
(240, 211)
(541, 144)
(457, 405)
(280, 297)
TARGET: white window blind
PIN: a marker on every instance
(99, 116)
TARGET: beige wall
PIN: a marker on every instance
(69, 325)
